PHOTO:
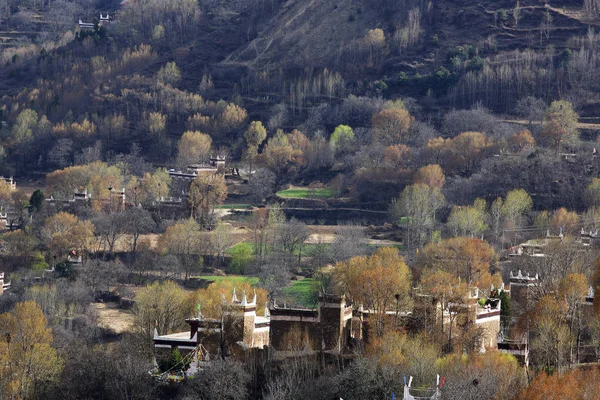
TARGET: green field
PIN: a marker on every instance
(306, 193)
(307, 248)
(302, 292)
(235, 279)
(241, 246)
(232, 206)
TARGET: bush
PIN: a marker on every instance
(502, 15)
(65, 269)
(241, 257)
(38, 262)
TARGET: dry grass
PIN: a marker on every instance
(112, 317)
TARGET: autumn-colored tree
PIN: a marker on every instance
(431, 175)
(150, 188)
(97, 178)
(390, 126)
(415, 355)
(83, 129)
(436, 149)
(443, 286)
(154, 186)
(193, 147)
(28, 358)
(216, 302)
(206, 192)
(467, 150)
(211, 298)
(574, 384)
(551, 336)
(467, 258)
(63, 232)
(567, 221)
(573, 290)
(396, 156)
(380, 283)
(301, 146)
(279, 153)
(521, 141)
(256, 134)
(560, 123)
(232, 118)
(199, 122)
(491, 375)
(374, 44)
(155, 124)
(164, 306)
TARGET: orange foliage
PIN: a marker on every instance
(375, 282)
(395, 156)
(467, 258)
(431, 175)
(521, 141)
(391, 125)
(577, 384)
(462, 153)
(567, 220)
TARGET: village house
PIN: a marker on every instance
(326, 328)
(215, 165)
(239, 327)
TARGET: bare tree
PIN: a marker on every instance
(262, 184)
(350, 241)
(220, 239)
(61, 153)
(137, 222)
(222, 380)
(111, 227)
(290, 238)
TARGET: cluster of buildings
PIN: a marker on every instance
(90, 25)
(330, 327)
(215, 164)
(333, 328)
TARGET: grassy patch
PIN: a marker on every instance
(398, 246)
(306, 193)
(232, 206)
(307, 249)
(302, 292)
(240, 247)
(235, 279)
